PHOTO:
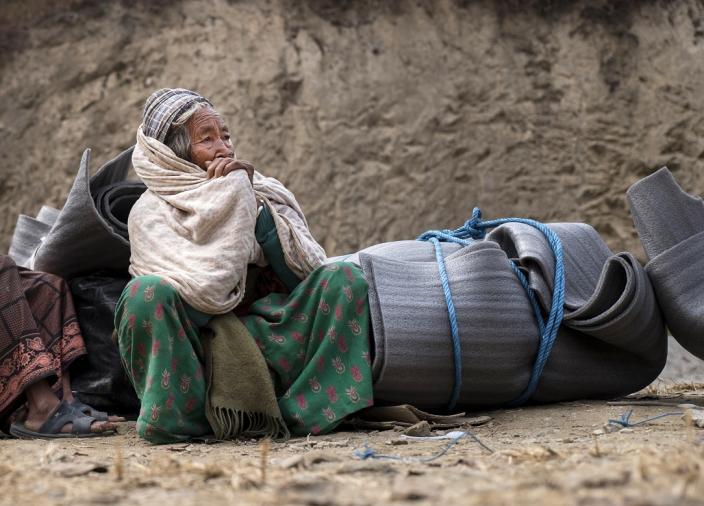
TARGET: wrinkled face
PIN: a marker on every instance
(210, 137)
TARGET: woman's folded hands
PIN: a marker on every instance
(222, 166)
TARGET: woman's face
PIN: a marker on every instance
(210, 137)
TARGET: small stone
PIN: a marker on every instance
(290, 462)
(123, 428)
(308, 460)
(71, 470)
(611, 427)
(477, 420)
(418, 430)
(694, 417)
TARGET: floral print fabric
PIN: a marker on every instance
(316, 340)
(161, 351)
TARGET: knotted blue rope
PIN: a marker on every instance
(625, 419)
(474, 229)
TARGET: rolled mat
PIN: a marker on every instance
(90, 231)
(670, 224)
(409, 251)
(114, 203)
(48, 215)
(29, 233)
(612, 340)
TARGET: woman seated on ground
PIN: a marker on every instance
(39, 339)
(196, 234)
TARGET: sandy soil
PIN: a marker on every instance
(558, 454)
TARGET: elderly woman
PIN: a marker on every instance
(39, 339)
(205, 225)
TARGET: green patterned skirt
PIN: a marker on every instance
(315, 341)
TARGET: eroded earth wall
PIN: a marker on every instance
(386, 118)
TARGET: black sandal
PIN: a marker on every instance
(90, 411)
(51, 429)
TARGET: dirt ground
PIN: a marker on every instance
(558, 454)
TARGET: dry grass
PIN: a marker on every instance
(666, 389)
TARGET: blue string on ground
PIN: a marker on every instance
(369, 453)
(474, 229)
(625, 419)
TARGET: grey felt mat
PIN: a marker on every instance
(29, 233)
(612, 340)
(670, 224)
(664, 215)
(114, 203)
(410, 251)
(90, 231)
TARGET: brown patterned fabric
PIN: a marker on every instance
(39, 332)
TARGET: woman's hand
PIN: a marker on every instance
(223, 166)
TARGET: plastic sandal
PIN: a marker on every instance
(51, 429)
(90, 411)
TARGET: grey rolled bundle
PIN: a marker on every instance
(612, 340)
(114, 203)
(670, 224)
(89, 233)
(29, 233)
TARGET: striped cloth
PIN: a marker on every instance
(163, 107)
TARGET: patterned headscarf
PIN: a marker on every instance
(163, 107)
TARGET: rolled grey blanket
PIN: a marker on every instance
(612, 340)
(408, 251)
(670, 224)
(90, 232)
(413, 357)
(48, 215)
(29, 233)
(114, 203)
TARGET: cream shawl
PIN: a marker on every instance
(198, 233)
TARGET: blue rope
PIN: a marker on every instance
(456, 344)
(625, 419)
(474, 229)
(369, 453)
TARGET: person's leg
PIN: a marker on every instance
(32, 329)
(51, 302)
(317, 341)
(162, 355)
